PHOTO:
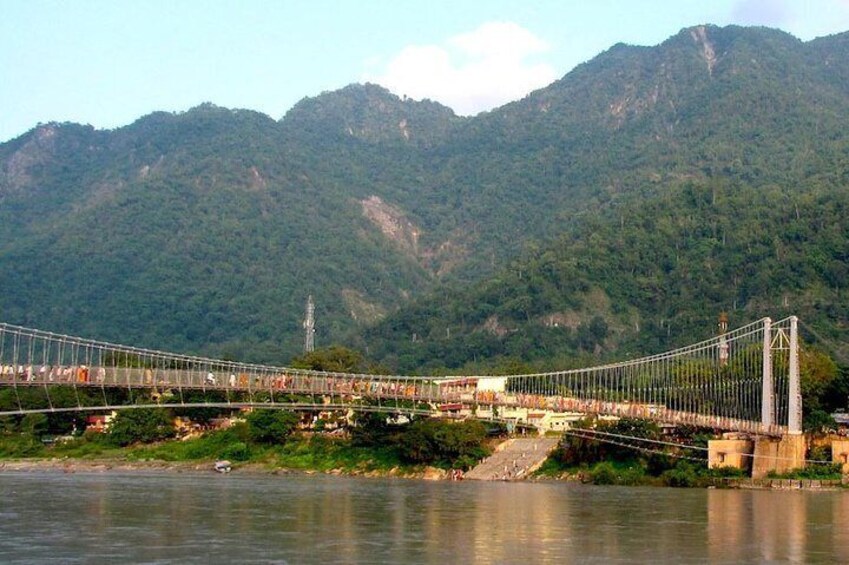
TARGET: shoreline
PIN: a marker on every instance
(71, 465)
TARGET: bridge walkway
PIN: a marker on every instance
(515, 459)
(745, 380)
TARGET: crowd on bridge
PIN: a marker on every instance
(348, 389)
(51, 373)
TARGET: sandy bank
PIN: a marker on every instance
(100, 465)
(67, 465)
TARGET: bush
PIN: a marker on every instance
(271, 426)
(822, 471)
(20, 445)
(603, 474)
(817, 420)
(90, 444)
(237, 451)
(574, 450)
(683, 475)
(726, 473)
(231, 443)
(34, 424)
(632, 475)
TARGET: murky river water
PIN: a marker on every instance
(208, 518)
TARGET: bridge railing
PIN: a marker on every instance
(34, 358)
(716, 381)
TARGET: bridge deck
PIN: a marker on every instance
(328, 392)
(728, 382)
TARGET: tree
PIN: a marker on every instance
(371, 429)
(201, 414)
(271, 426)
(836, 395)
(444, 443)
(817, 375)
(35, 424)
(583, 448)
(333, 358)
(143, 425)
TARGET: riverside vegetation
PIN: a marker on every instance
(631, 462)
(375, 442)
(269, 439)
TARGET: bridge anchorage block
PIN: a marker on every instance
(840, 454)
(779, 455)
(730, 453)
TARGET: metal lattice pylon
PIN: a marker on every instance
(309, 326)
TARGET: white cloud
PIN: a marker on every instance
(806, 20)
(470, 72)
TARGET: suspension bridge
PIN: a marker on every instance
(745, 380)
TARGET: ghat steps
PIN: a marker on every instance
(514, 459)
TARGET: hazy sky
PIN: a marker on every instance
(109, 62)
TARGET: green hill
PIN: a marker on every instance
(707, 174)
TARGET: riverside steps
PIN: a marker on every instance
(514, 459)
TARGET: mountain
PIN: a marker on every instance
(197, 231)
(707, 174)
(628, 202)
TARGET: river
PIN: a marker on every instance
(51, 517)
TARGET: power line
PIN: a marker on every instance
(636, 447)
(595, 433)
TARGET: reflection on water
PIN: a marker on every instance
(179, 518)
(777, 526)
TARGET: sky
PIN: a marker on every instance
(109, 62)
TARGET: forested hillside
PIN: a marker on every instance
(196, 231)
(618, 210)
(642, 279)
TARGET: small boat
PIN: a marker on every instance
(223, 466)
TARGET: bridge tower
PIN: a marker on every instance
(767, 389)
(794, 419)
(764, 453)
(309, 326)
(777, 341)
(789, 452)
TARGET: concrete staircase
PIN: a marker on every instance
(515, 459)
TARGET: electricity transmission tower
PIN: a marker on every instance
(309, 326)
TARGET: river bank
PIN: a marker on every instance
(66, 465)
(325, 454)
(72, 465)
